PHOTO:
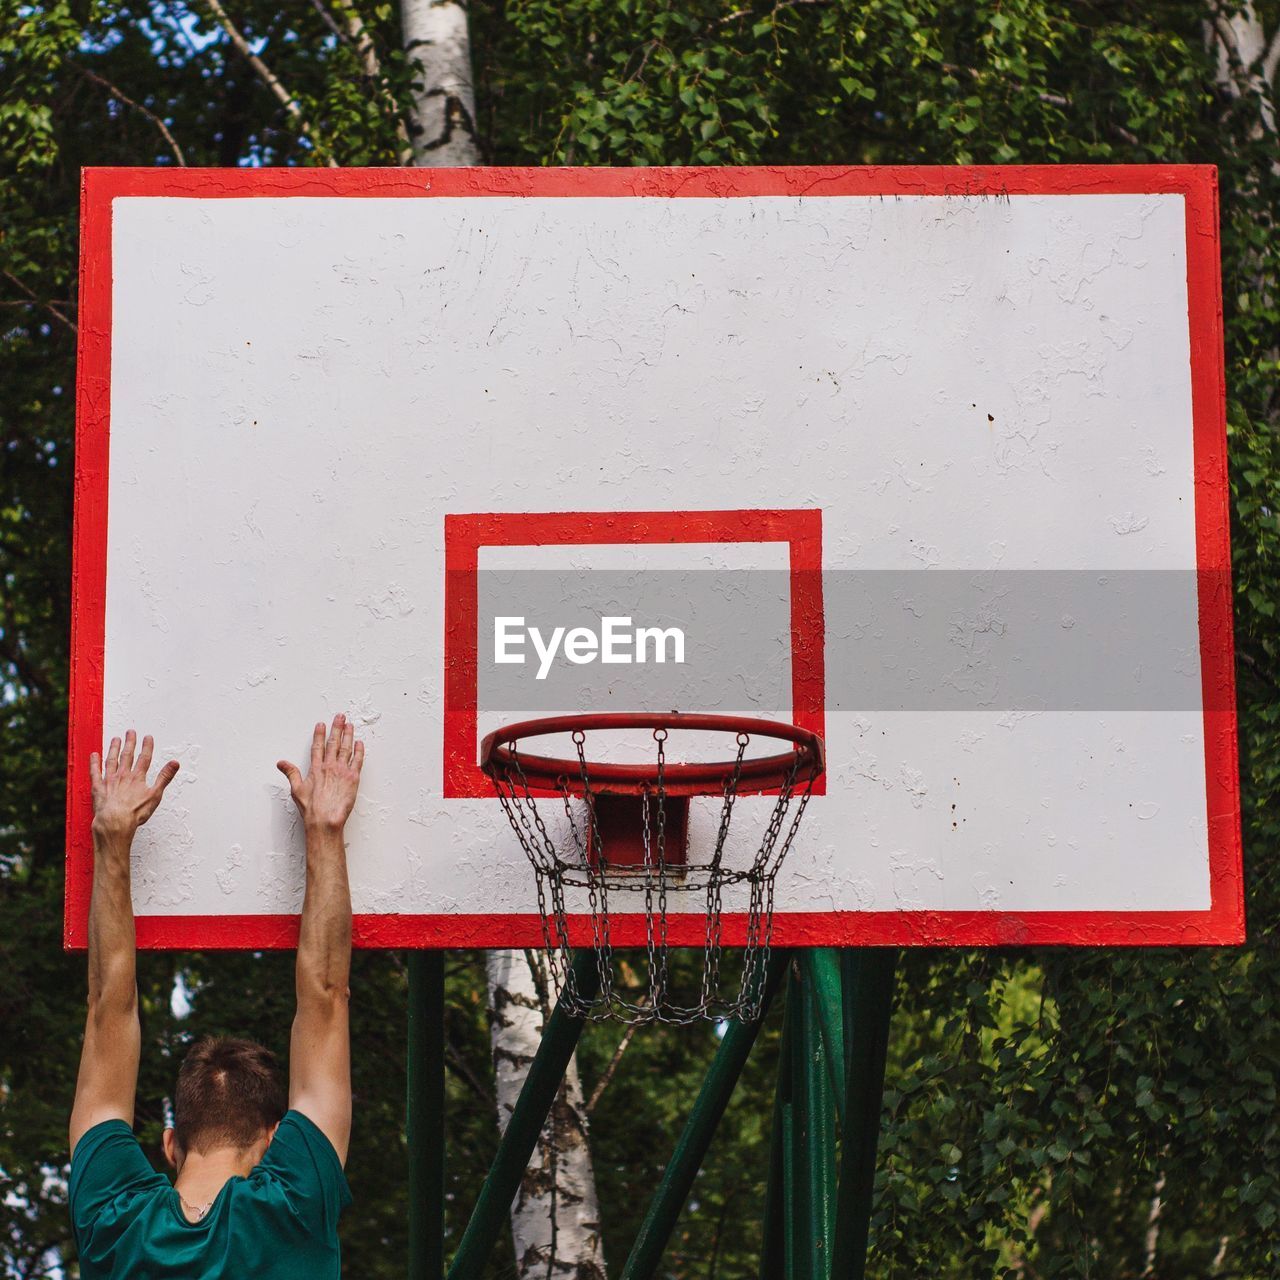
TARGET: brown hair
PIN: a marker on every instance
(229, 1094)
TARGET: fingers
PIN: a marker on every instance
(163, 778)
(120, 755)
(97, 785)
(335, 738)
(336, 745)
(357, 756)
(167, 775)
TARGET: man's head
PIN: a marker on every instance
(230, 1096)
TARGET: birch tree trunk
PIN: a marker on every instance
(555, 1219)
(1246, 65)
(1247, 61)
(442, 127)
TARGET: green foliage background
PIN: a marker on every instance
(1046, 1110)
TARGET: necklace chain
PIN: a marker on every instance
(198, 1209)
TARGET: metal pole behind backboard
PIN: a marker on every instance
(817, 1209)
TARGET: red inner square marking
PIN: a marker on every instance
(464, 535)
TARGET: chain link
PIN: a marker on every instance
(580, 862)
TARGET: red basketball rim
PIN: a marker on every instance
(805, 757)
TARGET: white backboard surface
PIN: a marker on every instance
(332, 423)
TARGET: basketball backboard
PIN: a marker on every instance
(930, 462)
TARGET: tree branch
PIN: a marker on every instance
(31, 676)
(11, 651)
(265, 74)
(465, 1074)
(777, 8)
(329, 21)
(1052, 99)
(121, 96)
(612, 1067)
(359, 38)
(1271, 59)
(1257, 669)
(50, 307)
(1215, 1267)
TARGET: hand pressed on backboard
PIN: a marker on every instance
(122, 798)
(326, 796)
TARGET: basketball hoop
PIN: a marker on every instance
(624, 832)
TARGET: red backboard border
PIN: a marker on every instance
(1220, 924)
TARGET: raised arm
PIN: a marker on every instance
(320, 1049)
(122, 802)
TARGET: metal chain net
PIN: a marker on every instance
(579, 862)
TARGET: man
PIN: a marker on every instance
(260, 1180)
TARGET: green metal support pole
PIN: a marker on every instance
(794, 1210)
(424, 1115)
(691, 1146)
(823, 976)
(538, 1095)
(868, 986)
(775, 1250)
(819, 1139)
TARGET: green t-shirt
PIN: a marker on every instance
(279, 1223)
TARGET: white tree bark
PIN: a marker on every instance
(555, 1219)
(1152, 1242)
(1247, 60)
(1247, 63)
(442, 125)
